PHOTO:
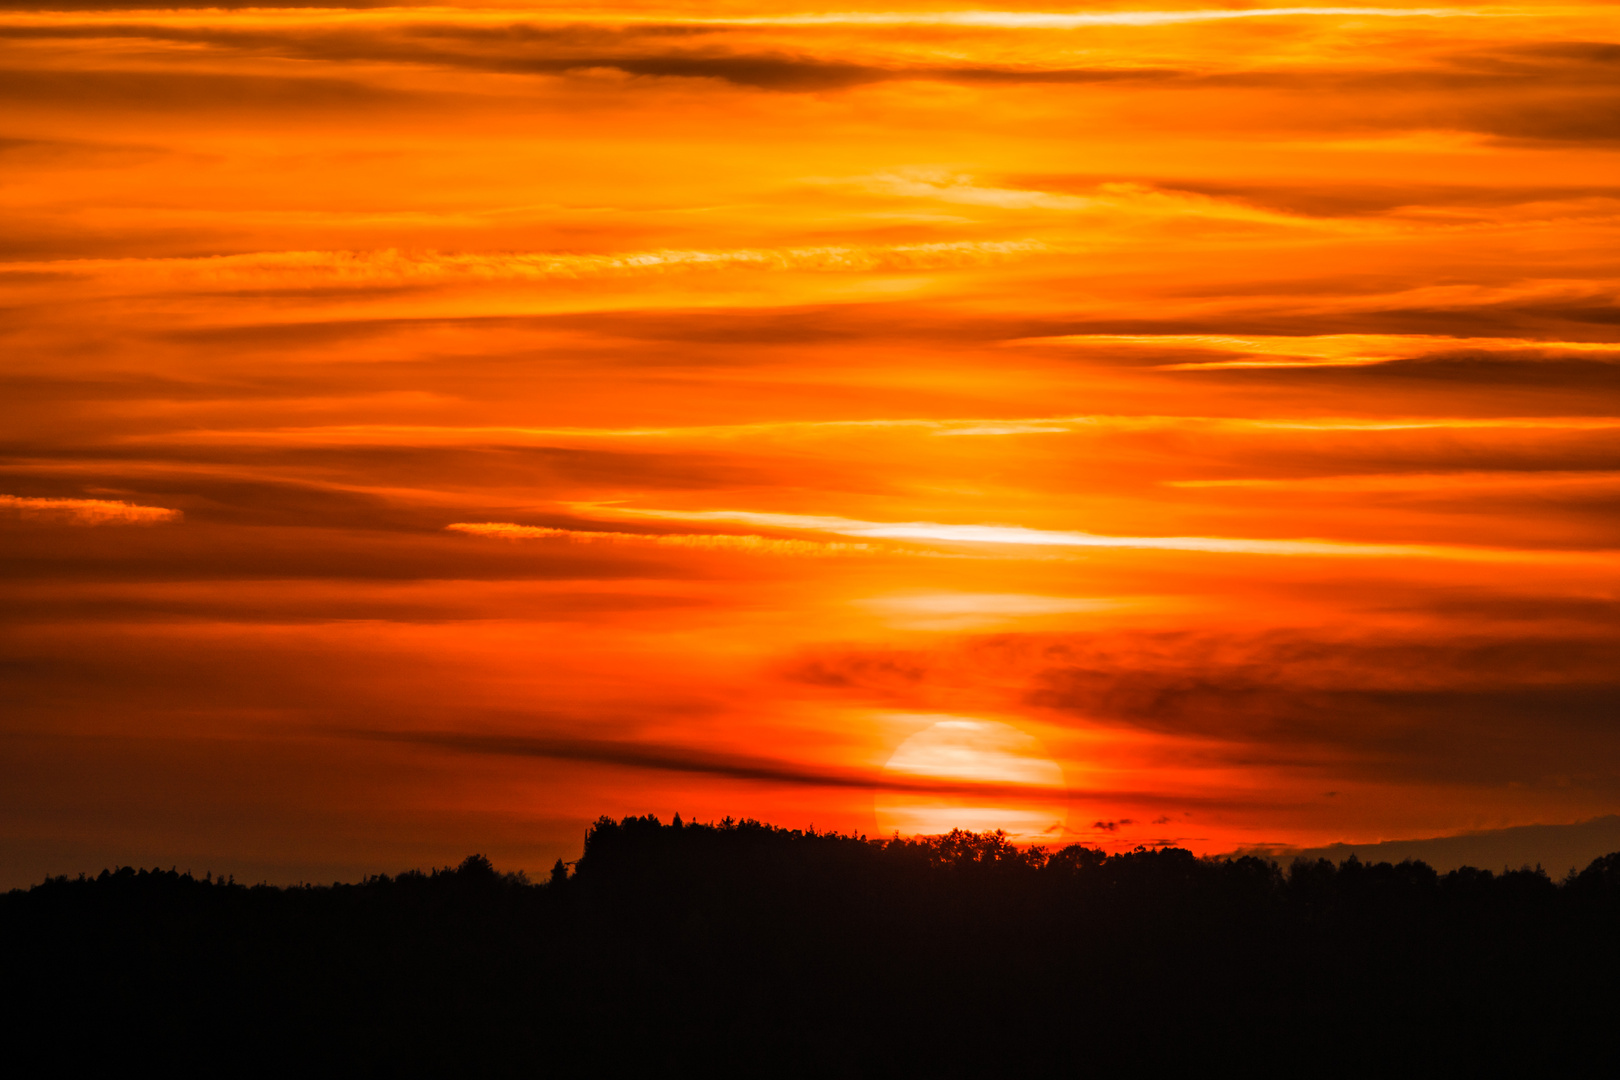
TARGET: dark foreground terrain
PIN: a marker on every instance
(739, 949)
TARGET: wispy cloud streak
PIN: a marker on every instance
(84, 511)
(1042, 20)
(659, 757)
(1020, 536)
(450, 435)
(1321, 350)
(336, 269)
(746, 544)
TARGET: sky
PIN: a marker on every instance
(426, 429)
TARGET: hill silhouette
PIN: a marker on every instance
(737, 948)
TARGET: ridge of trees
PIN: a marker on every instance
(740, 947)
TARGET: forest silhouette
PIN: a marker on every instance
(738, 948)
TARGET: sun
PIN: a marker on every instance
(975, 751)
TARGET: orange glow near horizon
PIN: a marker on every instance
(429, 428)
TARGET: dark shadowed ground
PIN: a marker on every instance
(741, 949)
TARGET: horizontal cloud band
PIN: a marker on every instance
(366, 268)
(1322, 350)
(1050, 20)
(1020, 535)
(84, 511)
(683, 759)
(355, 14)
(752, 545)
(660, 757)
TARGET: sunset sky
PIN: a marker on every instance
(423, 430)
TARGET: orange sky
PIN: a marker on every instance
(423, 430)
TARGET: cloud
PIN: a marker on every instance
(1042, 20)
(63, 151)
(371, 475)
(366, 269)
(189, 91)
(1413, 204)
(344, 557)
(531, 48)
(747, 545)
(308, 603)
(84, 511)
(1482, 91)
(988, 19)
(245, 496)
(1023, 537)
(541, 438)
(1107, 201)
(1544, 484)
(665, 758)
(1344, 350)
(1324, 350)
(1465, 699)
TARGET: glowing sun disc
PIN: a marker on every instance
(975, 751)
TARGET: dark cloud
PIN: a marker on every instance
(1552, 91)
(1523, 368)
(665, 758)
(188, 91)
(523, 49)
(1602, 613)
(769, 72)
(241, 500)
(806, 325)
(1598, 54)
(1587, 318)
(15, 146)
(247, 607)
(1575, 119)
(1557, 91)
(865, 670)
(248, 499)
(1332, 198)
(57, 151)
(1463, 704)
(1481, 729)
(762, 71)
(33, 553)
(1572, 319)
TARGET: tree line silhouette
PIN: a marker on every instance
(740, 948)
